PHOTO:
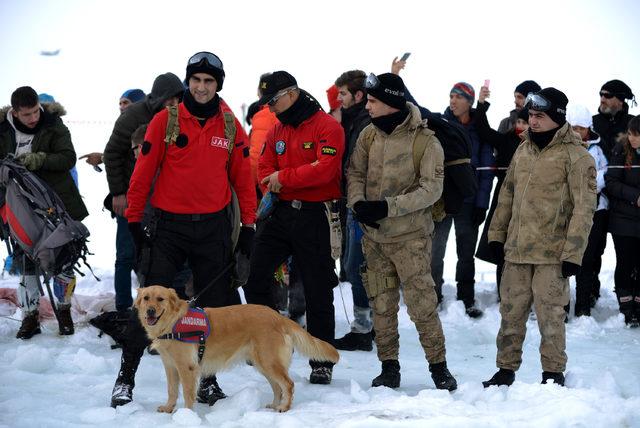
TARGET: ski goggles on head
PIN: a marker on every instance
(212, 59)
(536, 102)
(371, 81)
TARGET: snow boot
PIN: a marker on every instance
(557, 378)
(321, 372)
(390, 376)
(354, 342)
(30, 326)
(65, 323)
(123, 389)
(473, 312)
(502, 377)
(209, 391)
(627, 309)
(441, 376)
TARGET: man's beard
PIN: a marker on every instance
(608, 110)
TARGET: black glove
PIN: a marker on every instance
(369, 212)
(479, 214)
(138, 236)
(569, 269)
(497, 249)
(245, 240)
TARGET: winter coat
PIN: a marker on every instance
(261, 123)
(53, 139)
(354, 120)
(546, 204)
(608, 127)
(508, 123)
(481, 156)
(386, 171)
(623, 190)
(601, 169)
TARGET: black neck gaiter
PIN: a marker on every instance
(201, 111)
(302, 109)
(542, 139)
(391, 121)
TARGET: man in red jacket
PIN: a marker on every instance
(301, 162)
(191, 198)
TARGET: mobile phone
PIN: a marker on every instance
(405, 56)
(97, 168)
(486, 83)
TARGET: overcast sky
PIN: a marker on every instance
(109, 46)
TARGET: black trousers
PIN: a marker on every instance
(304, 234)
(627, 264)
(587, 281)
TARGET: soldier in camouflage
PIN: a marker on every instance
(395, 176)
(541, 226)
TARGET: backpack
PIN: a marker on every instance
(457, 157)
(38, 221)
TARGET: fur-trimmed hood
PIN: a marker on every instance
(54, 108)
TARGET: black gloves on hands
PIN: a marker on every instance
(369, 212)
(569, 269)
(479, 214)
(245, 240)
(497, 248)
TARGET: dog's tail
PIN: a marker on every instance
(309, 346)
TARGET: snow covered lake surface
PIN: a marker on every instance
(54, 381)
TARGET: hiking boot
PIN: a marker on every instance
(502, 377)
(354, 342)
(30, 326)
(321, 373)
(441, 376)
(557, 378)
(582, 311)
(390, 376)
(209, 391)
(473, 312)
(65, 323)
(123, 389)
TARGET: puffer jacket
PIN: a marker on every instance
(623, 189)
(546, 204)
(53, 139)
(386, 172)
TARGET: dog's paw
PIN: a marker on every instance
(166, 409)
(282, 408)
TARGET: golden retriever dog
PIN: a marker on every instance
(239, 333)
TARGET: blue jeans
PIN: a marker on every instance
(353, 261)
(125, 260)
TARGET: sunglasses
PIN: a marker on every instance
(279, 95)
(607, 95)
(210, 58)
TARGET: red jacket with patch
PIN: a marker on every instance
(308, 157)
(192, 177)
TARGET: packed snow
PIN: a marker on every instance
(56, 381)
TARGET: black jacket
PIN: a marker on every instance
(505, 145)
(623, 190)
(608, 127)
(354, 120)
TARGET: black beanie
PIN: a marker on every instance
(524, 114)
(390, 90)
(526, 87)
(559, 101)
(619, 89)
(205, 67)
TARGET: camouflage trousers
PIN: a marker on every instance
(409, 263)
(542, 285)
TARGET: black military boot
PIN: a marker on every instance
(441, 376)
(502, 377)
(123, 389)
(65, 323)
(209, 391)
(557, 378)
(627, 309)
(472, 311)
(30, 326)
(321, 372)
(390, 376)
(354, 342)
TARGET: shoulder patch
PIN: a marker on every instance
(328, 150)
(281, 147)
(307, 145)
(439, 171)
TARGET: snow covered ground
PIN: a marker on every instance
(54, 381)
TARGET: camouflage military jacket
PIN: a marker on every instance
(546, 204)
(384, 170)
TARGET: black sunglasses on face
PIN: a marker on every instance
(607, 95)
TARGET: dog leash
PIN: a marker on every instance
(213, 281)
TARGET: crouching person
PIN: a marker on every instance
(540, 227)
(395, 176)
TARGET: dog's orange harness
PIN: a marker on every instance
(193, 327)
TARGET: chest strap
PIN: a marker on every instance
(181, 336)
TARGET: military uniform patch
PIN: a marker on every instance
(280, 147)
(328, 150)
(307, 145)
(439, 171)
(593, 174)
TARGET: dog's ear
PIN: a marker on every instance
(136, 304)
(174, 300)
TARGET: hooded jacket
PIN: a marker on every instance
(54, 139)
(386, 172)
(546, 204)
(118, 156)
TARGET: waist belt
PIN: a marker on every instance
(302, 205)
(188, 217)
